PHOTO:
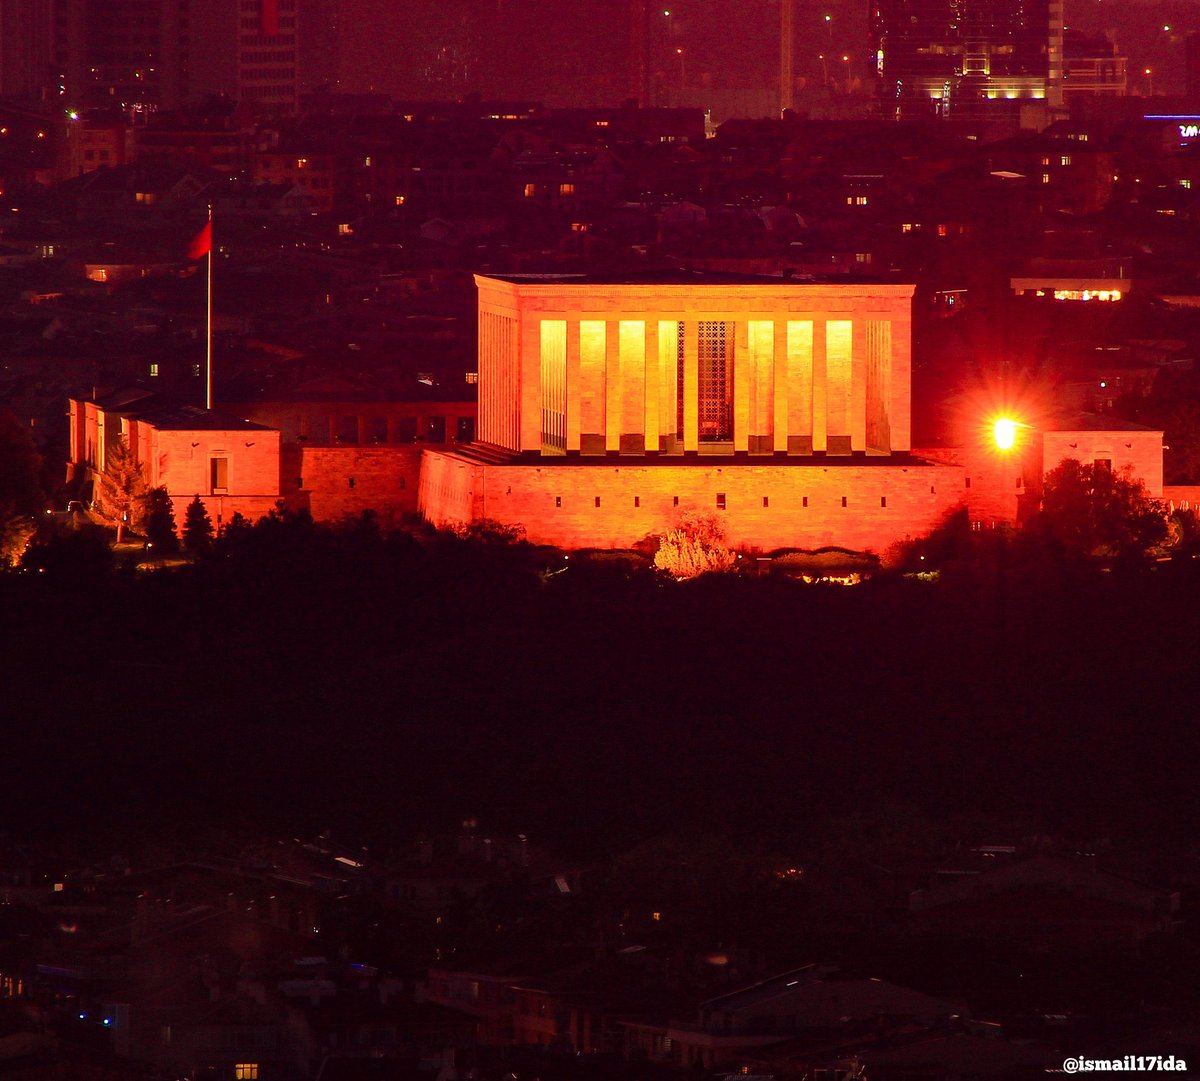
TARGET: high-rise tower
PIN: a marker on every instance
(966, 58)
(787, 41)
(639, 52)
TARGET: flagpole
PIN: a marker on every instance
(208, 320)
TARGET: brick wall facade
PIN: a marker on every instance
(1139, 451)
(765, 506)
(337, 481)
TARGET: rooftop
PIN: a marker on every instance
(686, 277)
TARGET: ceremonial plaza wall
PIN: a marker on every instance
(865, 505)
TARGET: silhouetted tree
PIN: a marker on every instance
(160, 521)
(1089, 510)
(121, 490)
(20, 466)
(79, 556)
(197, 528)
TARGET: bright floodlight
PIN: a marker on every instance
(1005, 433)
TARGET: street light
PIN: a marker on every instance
(1004, 432)
(682, 79)
(1150, 80)
(824, 68)
(846, 61)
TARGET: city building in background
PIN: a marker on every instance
(26, 49)
(1092, 67)
(966, 61)
(142, 56)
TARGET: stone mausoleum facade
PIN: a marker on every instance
(608, 407)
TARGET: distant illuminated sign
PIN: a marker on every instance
(1186, 124)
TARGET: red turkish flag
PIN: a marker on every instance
(201, 243)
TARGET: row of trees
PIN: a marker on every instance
(124, 499)
(1086, 511)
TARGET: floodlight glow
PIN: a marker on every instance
(1004, 431)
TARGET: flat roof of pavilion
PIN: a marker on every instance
(679, 276)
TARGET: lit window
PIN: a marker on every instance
(530, 191)
(472, 377)
(906, 227)
(399, 200)
(942, 230)
(301, 163)
(860, 200)
(154, 370)
(219, 474)
(1045, 178)
(1186, 185)
(367, 162)
(345, 229)
(566, 189)
(1065, 160)
(1045, 161)
(245, 1071)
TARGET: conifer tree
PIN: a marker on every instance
(197, 528)
(120, 496)
(160, 521)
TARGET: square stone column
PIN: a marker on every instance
(691, 387)
(572, 385)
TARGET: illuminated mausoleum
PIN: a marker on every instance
(609, 406)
